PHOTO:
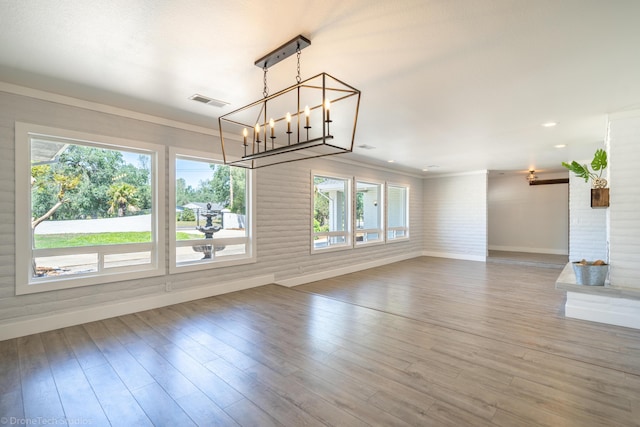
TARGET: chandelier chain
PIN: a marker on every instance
(265, 90)
(298, 53)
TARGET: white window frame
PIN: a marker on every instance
(405, 228)
(348, 220)
(25, 282)
(381, 209)
(249, 240)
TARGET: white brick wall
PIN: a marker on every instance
(455, 216)
(283, 217)
(624, 158)
(587, 226)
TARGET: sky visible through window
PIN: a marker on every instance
(192, 172)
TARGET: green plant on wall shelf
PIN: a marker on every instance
(598, 164)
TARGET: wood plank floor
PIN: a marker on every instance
(423, 342)
(528, 258)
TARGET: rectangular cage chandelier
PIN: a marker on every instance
(315, 117)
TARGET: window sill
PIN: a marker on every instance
(70, 282)
(199, 266)
(398, 240)
(335, 248)
(367, 244)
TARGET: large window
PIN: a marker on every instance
(397, 212)
(368, 213)
(86, 209)
(211, 223)
(331, 212)
(380, 212)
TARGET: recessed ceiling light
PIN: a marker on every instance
(390, 161)
(425, 170)
(549, 124)
(560, 146)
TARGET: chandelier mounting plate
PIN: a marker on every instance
(283, 52)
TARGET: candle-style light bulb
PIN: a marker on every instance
(257, 131)
(245, 133)
(288, 122)
(327, 106)
(307, 113)
(272, 125)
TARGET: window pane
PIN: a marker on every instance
(210, 204)
(337, 240)
(396, 234)
(86, 196)
(368, 212)
(63, 265)
(123, 260)
(187, 254)
(231, 250)
(397, 208)
(366, 236)
(331, 211)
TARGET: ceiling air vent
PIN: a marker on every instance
(209, 101)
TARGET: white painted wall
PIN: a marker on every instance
(455, 216)
(624, 158)
(283, 222)
(619, 224)
(587, 226)
(528, 218)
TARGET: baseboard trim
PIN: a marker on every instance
(466, 257)
(597, 308)
(529, 250)
(327, 274)
(50, 322)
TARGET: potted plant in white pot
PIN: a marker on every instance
(599, 190)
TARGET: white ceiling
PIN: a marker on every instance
(464, 85)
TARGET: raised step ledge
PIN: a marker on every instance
(604, 304)
(567, 282)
